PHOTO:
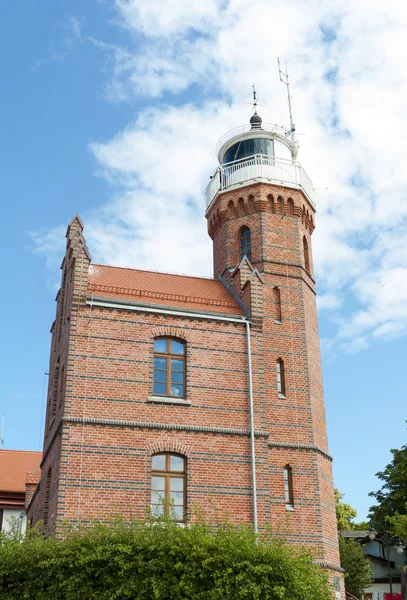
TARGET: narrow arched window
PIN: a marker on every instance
(46, 499)
(288, 486)
(280, 376)
(54, 394)
(168, 485)
(62, 302)
(245, 243)
(169, 368)
(280, 205)
(277, 304)
(290, 206)
(306, 254)
(61, 386)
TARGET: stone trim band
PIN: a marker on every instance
(300, 447)
(148, 425)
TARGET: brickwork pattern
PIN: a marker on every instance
(107, 425)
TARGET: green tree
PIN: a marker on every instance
(345, 513)
(398, 525)
(392, 496)
(358, 569)
(158, 560)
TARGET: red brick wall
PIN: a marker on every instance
(296, 423)
(99, 447)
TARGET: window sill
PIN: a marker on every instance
(289, 507)
(168, 400)
(281, 396)
(277, 322)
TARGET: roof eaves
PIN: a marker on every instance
(161, 307)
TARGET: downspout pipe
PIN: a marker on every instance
(252, 438)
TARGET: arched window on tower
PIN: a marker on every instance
(245, 243)
(277, 304)
(306, 254)
(280, 377)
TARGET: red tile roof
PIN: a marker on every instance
(164, 289)
(14, 465)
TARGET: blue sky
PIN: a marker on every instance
(112, 109)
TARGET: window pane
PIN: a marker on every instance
(177, 390)
(160, 376)
(157, 510)
(160, 389)
(158, 462)
(160, 345)
(177, 498)
(158, 483)
(176, 463)
(160, 363)
(178, 512)
(177, 365)
(157, 497)
(177, 377)
(177, 347)
(176, 484)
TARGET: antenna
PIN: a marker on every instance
(1, 431)
(284, 79)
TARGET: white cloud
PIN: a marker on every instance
(328, 302)
(346, 62)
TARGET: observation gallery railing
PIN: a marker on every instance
(259, 167)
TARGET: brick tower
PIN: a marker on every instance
(260, 214)
(169, 391)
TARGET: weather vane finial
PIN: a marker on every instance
(254, 99)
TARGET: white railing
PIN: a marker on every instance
(259, 167)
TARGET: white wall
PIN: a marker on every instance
(378, 589)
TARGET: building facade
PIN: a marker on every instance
(19, 474)
(387, 562)
(169, 392)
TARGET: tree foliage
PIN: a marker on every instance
(358, 568)
(398, 525)
(345, 513)
(158, 561)
(392, 496)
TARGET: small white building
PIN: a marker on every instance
(18, 468)
(387, 565)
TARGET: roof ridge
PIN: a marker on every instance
(199, 277)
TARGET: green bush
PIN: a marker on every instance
(158, 561)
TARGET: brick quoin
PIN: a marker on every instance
(103, 424)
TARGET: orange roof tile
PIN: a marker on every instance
(164, 289)
(14, 465)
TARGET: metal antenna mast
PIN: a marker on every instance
(284, 79)
(1, 431)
